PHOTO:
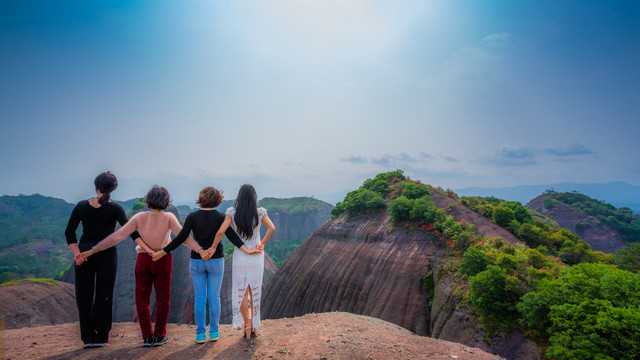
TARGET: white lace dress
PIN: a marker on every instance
(246, 270)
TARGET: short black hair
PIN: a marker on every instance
(158, 198)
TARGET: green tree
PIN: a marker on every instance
(507, 262)
(503, 216)
(474, 261)
(414, 191)
(359, 201)
(400, 208)
(521, 213)
(531, 234)
(422, 209)
(628, 258)
(584, 312)
(378, 185)
(494, 296)
(594, 329)
(536, 259)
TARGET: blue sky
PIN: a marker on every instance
(312, 98)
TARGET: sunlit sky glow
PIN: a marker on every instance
(313, 97)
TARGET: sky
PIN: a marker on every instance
(311, 98)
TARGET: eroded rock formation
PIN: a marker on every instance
(363, 266)
(368, 265)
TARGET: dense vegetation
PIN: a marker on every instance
(32, 241)
(590, 311)
(572, 301)
(570, 310)
(540, 233)
(621, 219)
(628, 258)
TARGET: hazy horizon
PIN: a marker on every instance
(311, 98)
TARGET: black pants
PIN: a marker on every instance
(94, 294)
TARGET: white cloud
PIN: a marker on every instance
(473, 63)
(575, 149)
(501, 39)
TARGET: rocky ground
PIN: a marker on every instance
(314, 336)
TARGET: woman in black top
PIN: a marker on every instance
(206, 274)
(96, 276)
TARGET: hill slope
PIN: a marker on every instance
(37, 302)
(618, 193)
(599, 235)
(32, 241)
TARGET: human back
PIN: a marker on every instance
(204, 226)
(254, 237)
(98, 222)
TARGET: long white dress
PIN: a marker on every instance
(246, 270)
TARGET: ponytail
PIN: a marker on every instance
(106, 182)
(104, 198)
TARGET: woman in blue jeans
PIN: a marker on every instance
(206, 273)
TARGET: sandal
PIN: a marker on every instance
(248, 328)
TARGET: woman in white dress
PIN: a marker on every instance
(245, 219)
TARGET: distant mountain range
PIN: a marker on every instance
(616, 193)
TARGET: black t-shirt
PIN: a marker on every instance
(97, 223)
(204, 224)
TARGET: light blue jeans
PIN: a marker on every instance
(207, 281)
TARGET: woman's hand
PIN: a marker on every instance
(144, 246)
(204, 254)
(248, 251)
(79, 260)
(83, 256)
(76, 252)
(260, 246)
(158, 255)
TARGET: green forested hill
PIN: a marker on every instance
(622, 219)
(32, 241)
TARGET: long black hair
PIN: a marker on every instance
(246, 217)
(106, 182)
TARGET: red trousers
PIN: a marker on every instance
(153, 274)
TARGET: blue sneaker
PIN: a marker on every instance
(214, 336)
(201, 338)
